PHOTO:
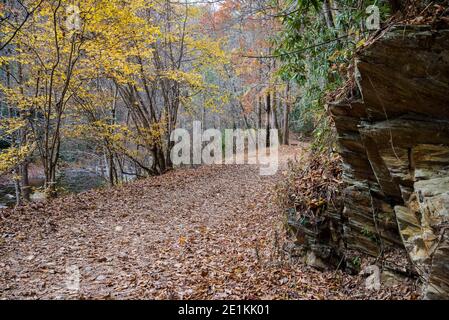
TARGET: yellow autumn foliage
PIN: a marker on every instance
(10, 157)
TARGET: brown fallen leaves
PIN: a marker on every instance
(207, 233)
(433, 14)
(312, 185)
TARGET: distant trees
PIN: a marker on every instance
(253, 81)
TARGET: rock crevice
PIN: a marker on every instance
(394, 140)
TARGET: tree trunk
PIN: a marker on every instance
(328, 14)
(110, 151)
(285, 130)
(15, 140)
(17, 188)
(24, 181)
(168, 162)
(25, 184)
(111, 169)
(268, 101)
(50, 182)
(275, 109)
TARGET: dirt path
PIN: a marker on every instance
(210, 233)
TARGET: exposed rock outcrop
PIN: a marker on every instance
(394, 140)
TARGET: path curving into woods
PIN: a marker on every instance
(206, 233)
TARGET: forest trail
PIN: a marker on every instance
(213, 233)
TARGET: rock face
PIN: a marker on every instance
(394, 139)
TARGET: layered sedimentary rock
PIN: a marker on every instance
(394, 139)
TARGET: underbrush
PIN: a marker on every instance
(312, 185)
(310, 196)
